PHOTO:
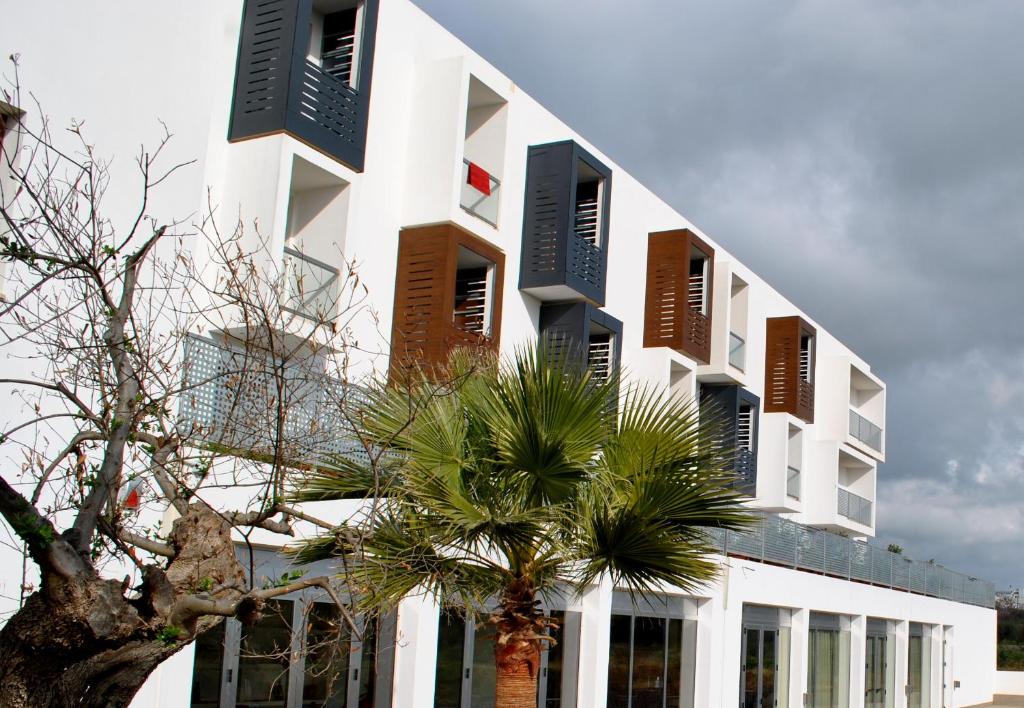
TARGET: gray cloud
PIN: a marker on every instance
(867, 158)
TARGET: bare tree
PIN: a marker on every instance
(154, 379)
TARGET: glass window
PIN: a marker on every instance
(208, 669)
(451, 642)
(646, 665)
(918, 667)
(484, 673)
(828, 675)
(327, 651)
(265, 657)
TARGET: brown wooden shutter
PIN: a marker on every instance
(668, 319)
(784, 390)
(423, 329)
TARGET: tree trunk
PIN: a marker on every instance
(521, 630)
(81, 641)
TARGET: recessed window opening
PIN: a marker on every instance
(807, 357)
(697, 293)
(483, 151)
(334, 39)
(474, 278)
(599, 352)
(589, 188)
(314, 240)
(794, 462)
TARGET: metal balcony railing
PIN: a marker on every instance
(484, 206)
(312, 287)
(239, 400)
(737, 351)
(853, 506)
(864, 430)
(782, 542)
(793, 482)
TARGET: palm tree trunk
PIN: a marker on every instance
(518, 664)
(521, 628)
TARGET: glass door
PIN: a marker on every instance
(465, 674)
(760, 668)
(875, 672)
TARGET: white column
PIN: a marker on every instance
(596, 605)
(707, 687)
(416, 652)
(858, 638)
(798, 657)
(902, 644)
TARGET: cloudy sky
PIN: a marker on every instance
(866, 158)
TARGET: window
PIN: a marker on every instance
(737, 410)
(474, 276)
(828, 661)
(789, 367)
(581, 334)
(738, 301)
(483, 151)
(765, 649)
(305, 69)
(794, 461)
(301, 654)
(465, 673)
(587, 211)
(447, 295)
(919, 653)
(651, 652)
(678, 300)
(565, 224)
(315, 233)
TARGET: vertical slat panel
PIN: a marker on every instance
(785, 390)
(424, 328)
(670, 319)
(546, 214)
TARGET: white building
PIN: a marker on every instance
(390, 141)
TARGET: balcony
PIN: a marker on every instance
(312, 287)
(865, 431)
(737, 352)
(482, 203)
(782, 542)
(565, 224)
(677, 308)
(234, 395)
(853, 507)
(279, 87)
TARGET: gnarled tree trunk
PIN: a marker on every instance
(81, 640)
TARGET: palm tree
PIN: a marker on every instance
(511, 483)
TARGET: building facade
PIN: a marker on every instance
(364, 130)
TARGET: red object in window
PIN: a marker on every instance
(479, 179)
(132, 500)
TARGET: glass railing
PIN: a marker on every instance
(864, 430)
(853, 507)
(737, 351)
(312, 287)
(477, 202)
(782, 542)
(793, 482)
